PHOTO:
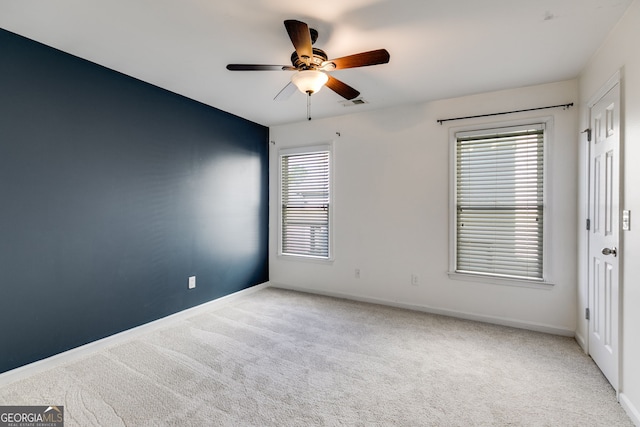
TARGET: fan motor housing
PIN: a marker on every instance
(319, 57)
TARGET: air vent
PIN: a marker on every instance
(352, 102)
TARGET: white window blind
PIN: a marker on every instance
(499, 202)
(305, 196)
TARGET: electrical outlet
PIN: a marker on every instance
(415, 280)
(357, 273)
(192, 282)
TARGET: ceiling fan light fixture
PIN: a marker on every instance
(309, 81)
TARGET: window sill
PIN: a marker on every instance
(503, 281)
(305, 259)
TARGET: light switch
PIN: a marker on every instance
(626, 220)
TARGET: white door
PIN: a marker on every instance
(604, 244)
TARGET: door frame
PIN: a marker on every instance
(614, 80)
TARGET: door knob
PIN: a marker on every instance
(610, 251)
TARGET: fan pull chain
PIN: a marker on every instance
(309, 106)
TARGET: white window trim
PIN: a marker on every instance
(546, 282)
(326, 146)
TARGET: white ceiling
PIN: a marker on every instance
(439, 48)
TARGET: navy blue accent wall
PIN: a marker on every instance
(112, 193)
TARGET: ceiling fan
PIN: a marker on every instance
(312, 64)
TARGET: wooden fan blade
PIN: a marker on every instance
(373, 57)
(301, 39)
(341, 88)
(255, 67)
(286, 92)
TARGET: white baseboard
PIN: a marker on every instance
(629, 408)
(538, 327)
(581, 342)
(119, 338)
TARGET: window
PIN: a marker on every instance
(499, 203)
(305, 182)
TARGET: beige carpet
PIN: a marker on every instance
(281, 358)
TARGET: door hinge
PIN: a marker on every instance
(587, 314)
(588, 224)
(588, 132)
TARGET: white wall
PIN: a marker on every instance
(620, 52)
(391, 218)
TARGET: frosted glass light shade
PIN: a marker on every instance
(309, 81)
